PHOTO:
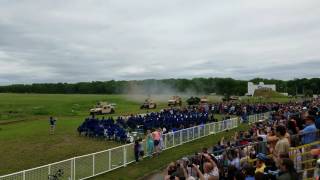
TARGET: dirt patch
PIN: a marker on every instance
(4, 122)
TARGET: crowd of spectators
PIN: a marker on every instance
(262, 151)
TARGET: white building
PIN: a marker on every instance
(252, 87)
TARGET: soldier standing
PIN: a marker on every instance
(52, 123)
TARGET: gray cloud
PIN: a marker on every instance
(77, 40)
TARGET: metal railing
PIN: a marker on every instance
(304, 162)
(258, 117)
(90, 165)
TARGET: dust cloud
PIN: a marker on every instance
(158, 91)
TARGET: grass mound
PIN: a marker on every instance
(267, 93)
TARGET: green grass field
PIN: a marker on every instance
(24, 130)
(17, 107)
(267, 100)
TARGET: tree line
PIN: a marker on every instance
(222, 86)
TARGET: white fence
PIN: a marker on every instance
(87, 166)
(259, 117)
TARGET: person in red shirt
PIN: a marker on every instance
(156, 141)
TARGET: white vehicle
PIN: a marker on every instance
(103, 108)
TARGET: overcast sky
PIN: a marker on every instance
(77, 40)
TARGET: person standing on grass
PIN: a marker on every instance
(161, 140)
(149, 143)
(156, 141)
(52, 123)
(136, 150)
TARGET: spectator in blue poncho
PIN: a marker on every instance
(309, 132)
